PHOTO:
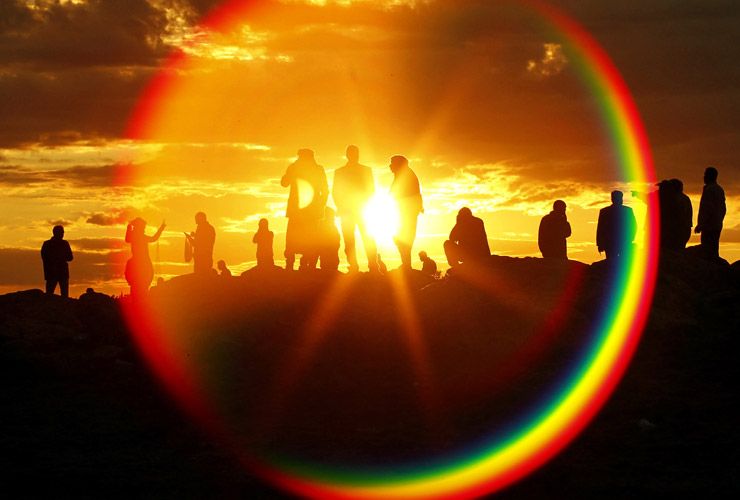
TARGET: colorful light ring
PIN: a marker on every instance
(546, 431)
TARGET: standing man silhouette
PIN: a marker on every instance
(616, 228)
(306, 201)
(353, 187)
(554, 230)
(712, 210)
(407, 192)
(202, 240)
(55, 254)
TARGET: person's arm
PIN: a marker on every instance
(156, 235)
(567, 229)
(287, 178)
(323, 188)
(68, 252)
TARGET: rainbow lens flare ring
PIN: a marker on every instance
(493, 465)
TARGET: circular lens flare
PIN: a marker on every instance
(534, 438)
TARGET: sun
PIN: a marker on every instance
(381, 218)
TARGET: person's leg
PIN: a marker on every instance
(289, 246)
(710, 243)
(370, 249)
(348, 233)
(64, 287)
(51, 285)
(452, 252)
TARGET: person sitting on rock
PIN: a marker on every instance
(264, 238)
(428, 266)
(468, 240)
(223, 271)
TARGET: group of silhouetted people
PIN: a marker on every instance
(312, 232)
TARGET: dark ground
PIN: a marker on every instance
(81, 415)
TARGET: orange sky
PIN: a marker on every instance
(485, 104)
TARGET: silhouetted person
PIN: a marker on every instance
(428, 266)
(407, 192)
(712, 210)
(685, 217)
(202, 241)
(223, 271)
(264, 238)
(353, 187)
(554, 229)
(55, 254)
(329, 241)
(616, 228)
(160, 281)
(468, 240)
(139, 270)
(306, 201)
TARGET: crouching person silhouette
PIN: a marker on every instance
(55, 254)
(468, 240)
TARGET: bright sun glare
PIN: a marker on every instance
(381, 217)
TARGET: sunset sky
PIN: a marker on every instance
(482, 99)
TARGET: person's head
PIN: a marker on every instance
(160, 281)
(464, 213)
(617, 197)
(710, 175)
(138, 224)
(559, 206)
(90, 290)
(398, 162)
(200, 218)
(423, 255)
(263, 224)
(221, 264)
(677, 185)
(58, 231)
(305, 154)
(353, 153)
(665, 186)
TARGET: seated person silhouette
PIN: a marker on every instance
(616, 228)
(554, 229)
(468, 240)
(223, 271)
(329, 241)
(428, 266)
(55, 254)
(264, 238)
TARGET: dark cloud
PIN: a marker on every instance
(60, 222)
(97, 244)
(112, 218)
(95, 33)
(76, 176)
(731, 235)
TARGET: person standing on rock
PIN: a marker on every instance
(712, 210)
(55, 254)
(306, 201)
(616, 228)
(553, 232)
(202, 241)
(139, 270)
(353, 187)
(407, 193)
